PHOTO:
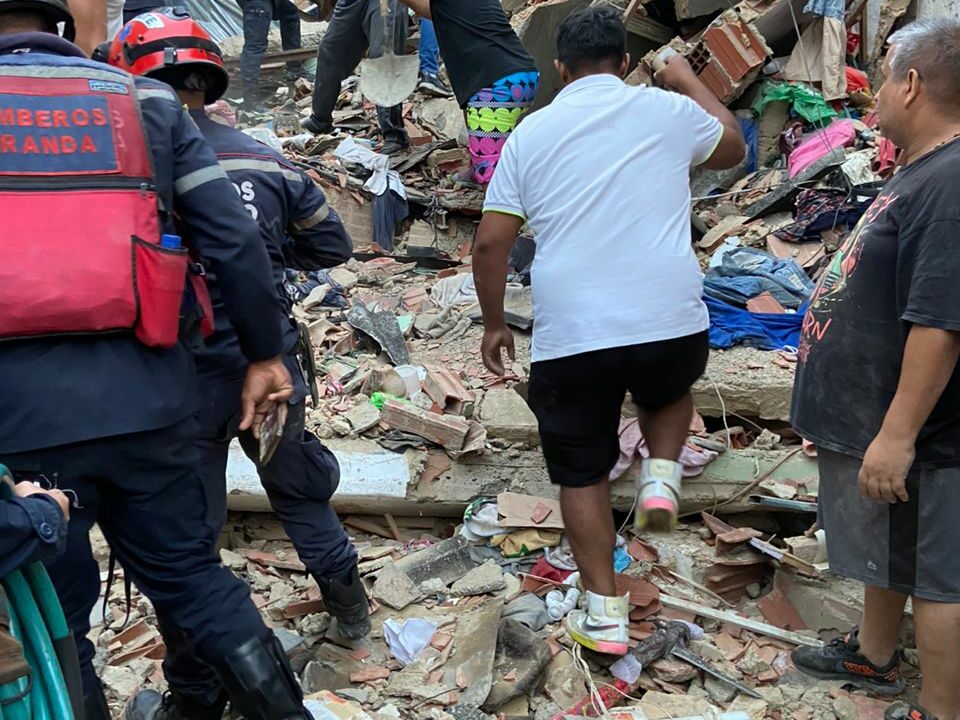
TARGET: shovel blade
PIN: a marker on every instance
(389, 80)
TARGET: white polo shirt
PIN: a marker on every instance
(602, 177)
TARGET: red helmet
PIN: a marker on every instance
(167, 44)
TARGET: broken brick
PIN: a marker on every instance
(780, 612)
(642, 592)
(447, 391)
(540, 512)
(448, 431)
(642, 552)
(369, 674)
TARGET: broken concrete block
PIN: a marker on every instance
(755, 709)
(233, 561)
(120, 680)
(486, 578)
(805, 548)
(476, 648)
(344, 278)
(433, 586)
(448, 431)
(523, 655)
(672, 671)
(321, 675)
(362, 416)
(564, 684)
(507, 416)
(446, 561)
(395, 588)
(660, 706)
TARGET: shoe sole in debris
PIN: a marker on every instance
(606, 647)
(863, 683)
(656, 514)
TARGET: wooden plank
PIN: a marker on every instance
(368, 527)
(392, 524)
(728, 616)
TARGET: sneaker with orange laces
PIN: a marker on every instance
(841, 660)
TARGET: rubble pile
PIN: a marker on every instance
(459, 534)
(467, 620)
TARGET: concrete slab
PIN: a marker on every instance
(506, 415)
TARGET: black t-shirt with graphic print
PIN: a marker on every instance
(900, 266)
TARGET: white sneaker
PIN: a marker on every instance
(659, 489)
(602, 624)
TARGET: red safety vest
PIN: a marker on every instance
(80, 226)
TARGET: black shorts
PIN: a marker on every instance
(577, 400)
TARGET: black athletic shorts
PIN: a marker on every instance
(577, 400)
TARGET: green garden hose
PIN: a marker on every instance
(37, 621)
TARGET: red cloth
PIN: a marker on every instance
(543, 569)
(886, 156)
(856, 80)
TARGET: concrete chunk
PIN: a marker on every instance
(486, 578)
(507, 416)
(394, 588)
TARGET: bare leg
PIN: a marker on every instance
(589, 523)
(880, 627)
(90, 18)
(666, 429)
(938, 638)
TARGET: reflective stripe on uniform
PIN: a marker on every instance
(232, 164)
(191, 181)
(148, 93)
(318, 217)
(62, 71)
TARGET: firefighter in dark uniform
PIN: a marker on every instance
(97, 385)
(301, 231)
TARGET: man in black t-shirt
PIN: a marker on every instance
(878, 389)
(493, 76)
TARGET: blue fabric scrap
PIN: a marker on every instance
(731, 326)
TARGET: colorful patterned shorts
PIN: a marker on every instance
(492, 114)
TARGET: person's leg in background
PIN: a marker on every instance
(492, 114)
(665, 409)
(390, 119)
(430, 82)
(155, 514)
(257, 16)
(340, 51)
(578, 430)
(285, 12)
(938, 637)
(90, 19)
(300, 479)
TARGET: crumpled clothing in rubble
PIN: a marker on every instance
(746, 272)
(299, 284)
(455, 291)
(806, 102)
(840, 133)
(731, 326)
(481, 520)
(819, 210)
(524, 542)
(632, 444)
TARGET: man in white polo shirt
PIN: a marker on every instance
(602, 178)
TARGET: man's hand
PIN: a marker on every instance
(677, 74)
(26, 489)
(495, 340)
(883, 475)
(267, 382)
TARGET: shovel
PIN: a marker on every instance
(389, 79)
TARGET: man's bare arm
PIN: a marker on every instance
(495, 237)
(929, 360)
(678, 76)
(420, 7)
